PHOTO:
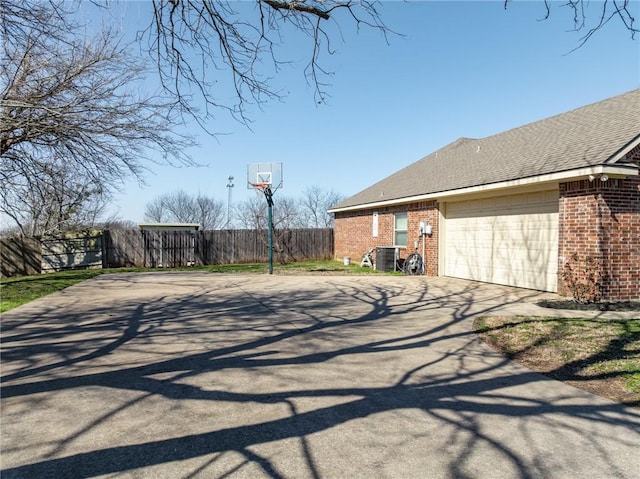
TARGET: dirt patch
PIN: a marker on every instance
(599, 356)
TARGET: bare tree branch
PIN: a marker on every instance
(181, 207)
(584, 12)
(59, 199)
(196, 42)
(68, 103)
(298, 6)
(313, 205)
(618, 9)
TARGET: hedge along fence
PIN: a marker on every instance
(152, 249)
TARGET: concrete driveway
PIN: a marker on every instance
(183, 375)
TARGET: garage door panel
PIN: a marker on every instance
(535, 243)
(523, 205)
(509, 240)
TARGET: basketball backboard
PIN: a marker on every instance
(261, 175)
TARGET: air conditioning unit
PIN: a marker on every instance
(386, 257)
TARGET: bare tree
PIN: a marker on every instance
(252, 214)
(308, 211)
(241, 40)
(59, 199)
(68, 104)
(115, 223)
(313, 206)
(590, 17)
(286, 213)
(182, 207)
(211, 212)
(156, 211)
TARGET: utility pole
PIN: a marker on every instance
(230, 185)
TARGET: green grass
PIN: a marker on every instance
(20, 290)
(17, 291)
(327, 266)
(632, 381)
(599, 355)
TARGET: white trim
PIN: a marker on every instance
(624, 151)
(442, 236)
(395, 230)
(617, 171)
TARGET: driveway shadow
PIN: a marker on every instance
(315, 368)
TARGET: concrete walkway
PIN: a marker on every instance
(184, 375)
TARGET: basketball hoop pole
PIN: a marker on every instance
(268, 194)
(266, 177)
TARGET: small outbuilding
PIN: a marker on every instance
(518, 207)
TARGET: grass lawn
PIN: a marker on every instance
(21, 290)
(598, 355)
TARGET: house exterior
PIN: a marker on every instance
(517, 207)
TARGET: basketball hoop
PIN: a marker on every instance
(266, 190)
(267, 178)
(263, 176)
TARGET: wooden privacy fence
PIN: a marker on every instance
(157, 249)
(27, 256)
(59, 253)
(20, 256)
(151, 249)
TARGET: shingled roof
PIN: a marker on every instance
(588, 136)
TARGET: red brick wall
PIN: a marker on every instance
(602, 219)
(354, 232)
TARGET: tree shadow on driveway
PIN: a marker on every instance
(189, 375)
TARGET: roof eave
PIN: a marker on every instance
(624, 151)
(612, 171)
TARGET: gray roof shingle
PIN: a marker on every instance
(587, 136)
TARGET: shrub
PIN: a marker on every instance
(584, 278)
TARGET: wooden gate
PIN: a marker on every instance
(168, 249)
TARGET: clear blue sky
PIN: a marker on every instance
(468, 69)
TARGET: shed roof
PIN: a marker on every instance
(169, 226)
(588, 136)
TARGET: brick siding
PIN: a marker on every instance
(602, 220)
(354, 232)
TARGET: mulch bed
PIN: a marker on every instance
(603, 306)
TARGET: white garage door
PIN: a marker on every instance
(511, 240)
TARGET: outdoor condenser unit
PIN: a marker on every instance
(386, 259)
